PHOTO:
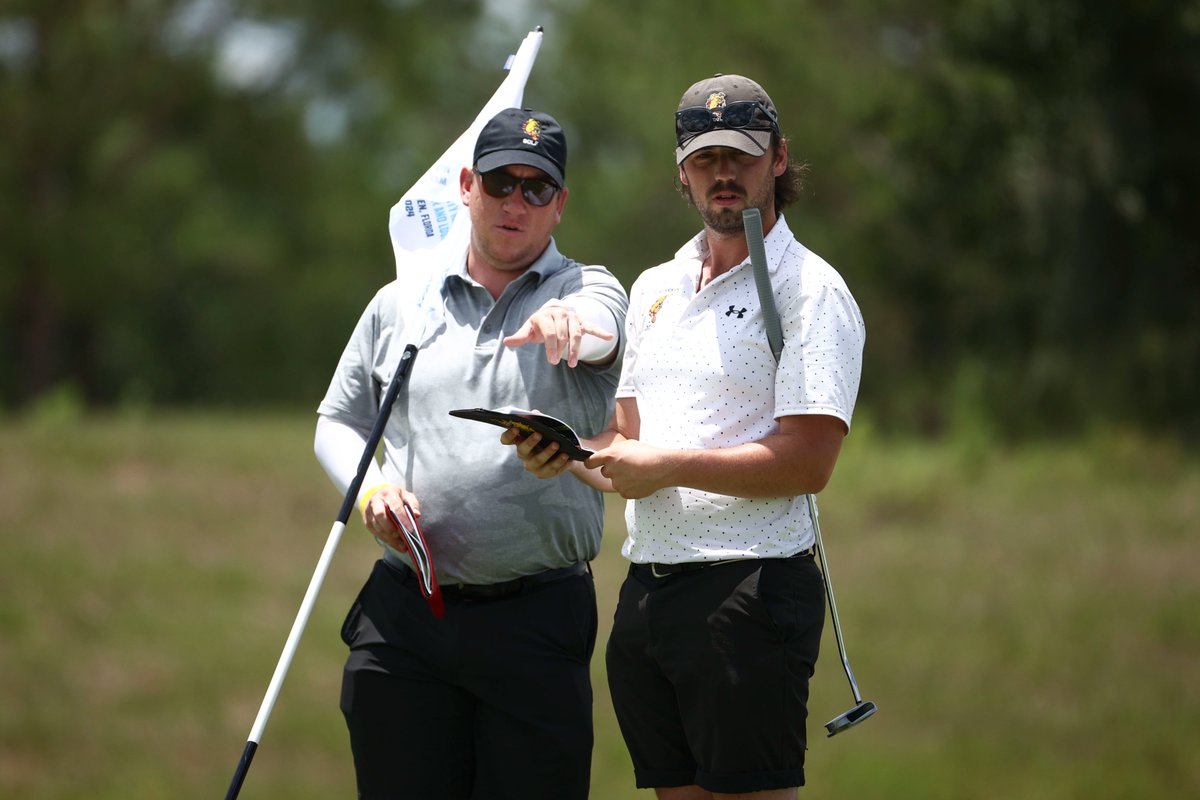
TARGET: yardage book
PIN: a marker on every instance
(551, 428)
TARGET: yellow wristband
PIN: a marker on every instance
(366, 498)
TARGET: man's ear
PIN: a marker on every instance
(560, 203)
(465, 179)
(781, 159)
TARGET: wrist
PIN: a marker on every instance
(364, 497)
(594, 349)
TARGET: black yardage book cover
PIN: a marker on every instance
(551, 428)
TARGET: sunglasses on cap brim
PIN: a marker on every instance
(749, 115)
(498, 183)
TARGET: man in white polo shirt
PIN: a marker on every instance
(719, 621)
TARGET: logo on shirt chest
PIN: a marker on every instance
(654, 309)
(741, 312)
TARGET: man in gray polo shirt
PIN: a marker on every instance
(493, 699)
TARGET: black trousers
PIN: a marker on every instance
(492, 701)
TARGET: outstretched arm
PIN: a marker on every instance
(579, 328)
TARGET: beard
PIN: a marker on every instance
(725, 220)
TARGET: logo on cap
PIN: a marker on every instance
(532, 130)
(715, 101)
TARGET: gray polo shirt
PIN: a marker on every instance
(485, 518)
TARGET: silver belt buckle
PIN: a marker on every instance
(654, 571)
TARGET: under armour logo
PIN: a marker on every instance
(739, 311)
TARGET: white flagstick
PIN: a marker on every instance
(437, 193)
(314, 585)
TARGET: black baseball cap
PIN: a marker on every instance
(714, 94)
(522, 136)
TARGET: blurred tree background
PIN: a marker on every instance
(196, 192)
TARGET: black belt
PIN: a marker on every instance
(666, 570)
(466, 592)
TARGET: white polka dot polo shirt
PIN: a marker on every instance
(700, 368)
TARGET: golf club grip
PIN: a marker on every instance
(752, 222)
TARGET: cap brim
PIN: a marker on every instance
(503, 158)
(756, 143)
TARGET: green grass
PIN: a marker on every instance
(1027, 619)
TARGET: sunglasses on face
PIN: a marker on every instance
(744, 114)
(499, 183)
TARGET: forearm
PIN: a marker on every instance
(593, 477)
(339, 450)
(594, 314)
(796, 460)
(771, 467)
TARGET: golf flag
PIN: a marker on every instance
(429, 234)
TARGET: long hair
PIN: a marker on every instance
(789, 185)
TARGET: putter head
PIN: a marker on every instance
(850, 718)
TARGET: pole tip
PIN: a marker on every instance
(539, 29)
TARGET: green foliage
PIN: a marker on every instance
(1047, 226)
(1010, 187)
(59, 408)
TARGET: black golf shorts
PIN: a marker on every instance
(709, 673)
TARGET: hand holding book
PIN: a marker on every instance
(552, 429)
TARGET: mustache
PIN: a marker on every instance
(724, 187)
